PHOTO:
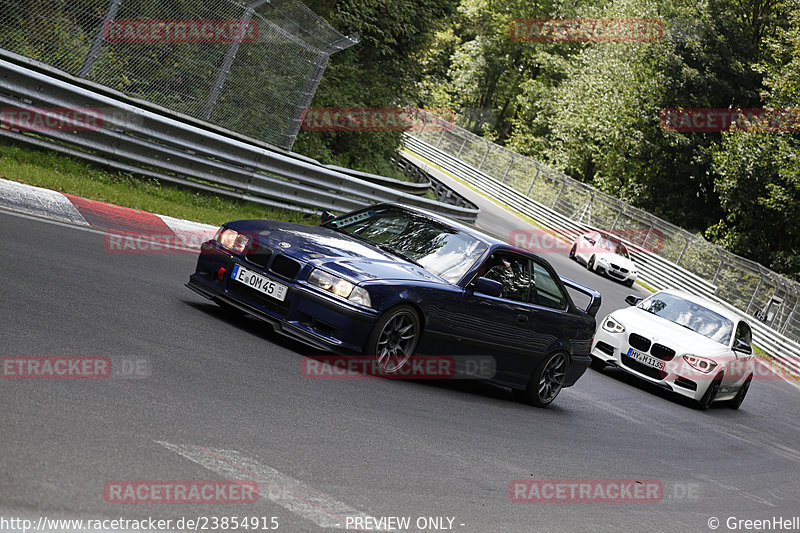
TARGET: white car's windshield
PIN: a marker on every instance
(614, 247)
(690, 315)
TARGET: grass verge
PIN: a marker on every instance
(58, 172)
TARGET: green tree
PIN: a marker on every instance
(380, 71)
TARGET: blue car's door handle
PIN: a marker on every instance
(522, 318)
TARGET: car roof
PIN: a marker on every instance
(717, 308)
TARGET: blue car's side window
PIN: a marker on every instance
(545, 291)
(513, 272)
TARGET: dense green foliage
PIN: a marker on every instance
(591, 109)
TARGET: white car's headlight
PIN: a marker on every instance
(612, 326)
(232, 240)
(700, 363)
(340, 287)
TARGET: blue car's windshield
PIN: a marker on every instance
(443, 250)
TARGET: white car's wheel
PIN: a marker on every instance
(739, 398)
(711, 392)
(590, 264)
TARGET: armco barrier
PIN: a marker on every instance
(141, 140)
(653, 269)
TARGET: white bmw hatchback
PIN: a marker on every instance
(681, 342)
(604, 254)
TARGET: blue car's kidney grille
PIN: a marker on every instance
(285, 266)
(259, 255)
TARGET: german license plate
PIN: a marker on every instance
(258, 282)
(646, 359)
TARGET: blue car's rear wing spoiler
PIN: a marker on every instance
(594, 296)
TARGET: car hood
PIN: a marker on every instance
(340, 253)
(617, 259)
(660, 330)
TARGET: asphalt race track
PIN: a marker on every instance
(218, 397)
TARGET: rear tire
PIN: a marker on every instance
(546, 381)
(590, 264)
(737, 400)
(394, 338)
(572, 252)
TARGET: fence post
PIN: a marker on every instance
(685, 247)
(510, 164)
(791, 316)
(616, 219)
(458, 155)
(488, 148)
(719, 268)
(563, 185)
(530, 188)
(755, 292)
(91, 56)
(227, 61)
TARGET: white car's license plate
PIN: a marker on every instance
(645, 359)
(258, 282)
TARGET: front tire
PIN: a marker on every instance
(628, 283)
(711, 392)
(547, 381)
(739, 398)
(394, 338)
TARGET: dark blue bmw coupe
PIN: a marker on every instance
(391, 281)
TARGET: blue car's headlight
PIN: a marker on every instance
(232, 240)
(340, 287)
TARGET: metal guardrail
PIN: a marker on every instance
(443, 192)
(410, 187)
(654, 270)
(154, 144)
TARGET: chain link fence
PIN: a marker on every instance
(750, 287)
(248, 66)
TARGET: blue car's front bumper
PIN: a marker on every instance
(306, 314)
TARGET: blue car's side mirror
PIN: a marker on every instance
(326, 216)
(488, 287)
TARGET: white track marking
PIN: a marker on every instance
(275, 486)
